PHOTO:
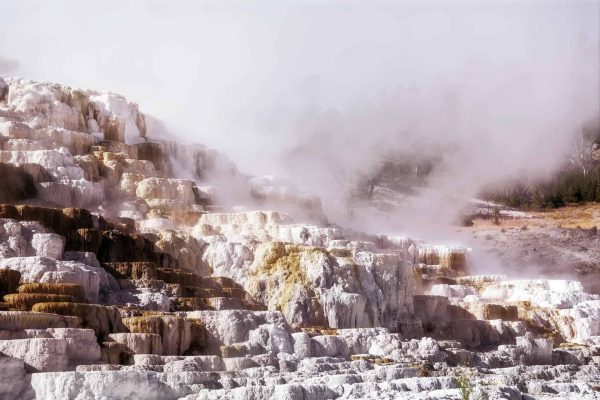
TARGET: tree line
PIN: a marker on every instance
(576, 181)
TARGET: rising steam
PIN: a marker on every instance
(322, 91)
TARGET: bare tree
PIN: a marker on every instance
(584, 149)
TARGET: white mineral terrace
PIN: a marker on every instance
(153, 291)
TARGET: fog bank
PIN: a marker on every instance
(322, 91)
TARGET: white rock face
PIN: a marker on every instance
(586, 319)
(14, 129)
(144, 298)
(88, 258)
(82, 345)
(42, 103)
(311, 287)
(245, 218)
(48, 270)
(302, 345)
(166, 193)
(12, 377)
(139, 343)
(22, 239)
(118, 118)
(275, 339)
(151, 224)
(45, 104)
(455, 291)
(263, 226)
(40, 354)
(233, 326)
(183, 248)
(24, 138)
(537, 351)
(73, 193)
(343, 319)
(227, 258)
(105, 385)
(542, 292)
(59, 163)
(48, 245)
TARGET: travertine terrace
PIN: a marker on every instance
(122, 280)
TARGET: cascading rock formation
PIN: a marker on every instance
(121, 278)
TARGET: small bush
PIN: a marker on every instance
(467, 221)
(463, 378)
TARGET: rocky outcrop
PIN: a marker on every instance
(9, 280)
(18, 320)
(45, 104)
(76, 292)
(39, 354)
(103, 320)
(167, 194)
(25, 301)
(184, 249)
(13, 377)
(16, 185)
(454, 258)
(116, 246)
(60, 221)
(29, 239)
(311, 287)
(179, 335)
(49, 270)
(139, 343)
(544, 293)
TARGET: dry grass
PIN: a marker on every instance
(584, 216)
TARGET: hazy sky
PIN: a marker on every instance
(319, 89)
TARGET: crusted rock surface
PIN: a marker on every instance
(122, 276)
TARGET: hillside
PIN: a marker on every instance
(136, 266)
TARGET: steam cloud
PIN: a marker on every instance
(320, 91)
(8, 65)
